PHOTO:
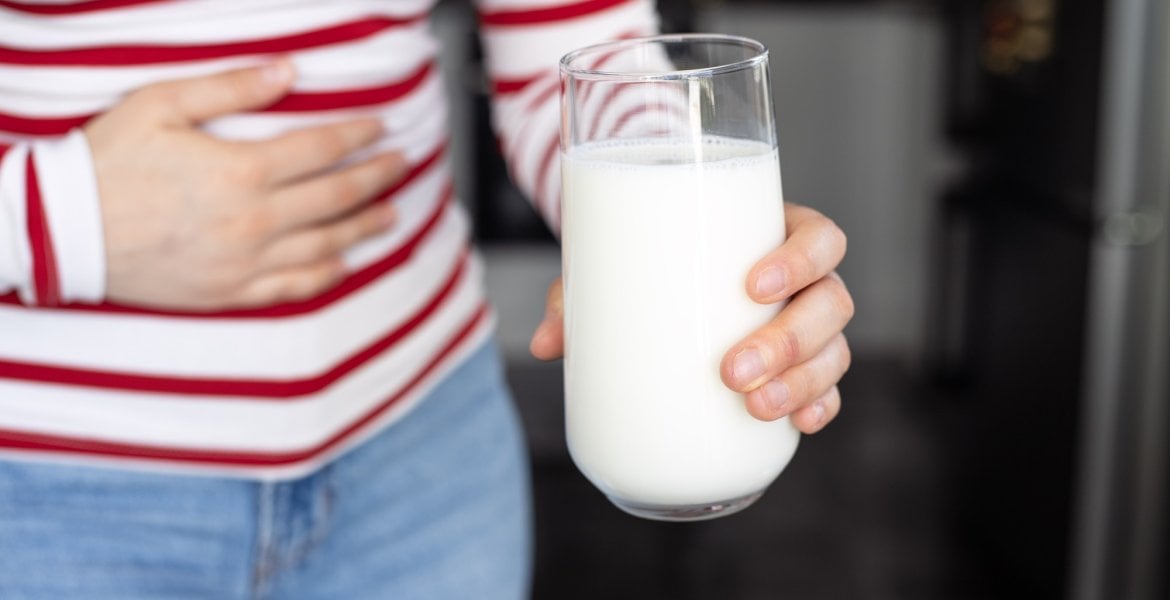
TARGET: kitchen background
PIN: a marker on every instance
(1000, 167)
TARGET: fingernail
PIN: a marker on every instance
(747, 366)
(770, 282)
(277, 73)
(775, 395)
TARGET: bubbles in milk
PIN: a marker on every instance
(657, 247)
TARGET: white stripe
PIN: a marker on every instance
(67, 91)
(15, 254)
(242, 424)
(172, 24)
(521, 52)
(235, 348)
(414, 124)
(488, 6)
(601, 112)
(525, 153)
(457, 356)
(150, 12)
(267, 349)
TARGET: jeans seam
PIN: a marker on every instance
(320, 513)
(264, 558)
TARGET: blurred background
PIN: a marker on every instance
(1002, 169)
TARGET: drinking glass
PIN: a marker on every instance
(671, 194)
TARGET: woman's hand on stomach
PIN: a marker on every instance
(196, 223)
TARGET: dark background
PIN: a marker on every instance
(958, 467)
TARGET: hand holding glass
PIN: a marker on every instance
(671, 193)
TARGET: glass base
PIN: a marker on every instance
(687, 513)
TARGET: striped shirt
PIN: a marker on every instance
(274, 391)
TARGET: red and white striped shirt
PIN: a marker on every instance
(275, 391)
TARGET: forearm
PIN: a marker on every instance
(524, 42)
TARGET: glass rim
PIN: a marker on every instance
(761, 55)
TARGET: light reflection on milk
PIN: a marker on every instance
(657, 248)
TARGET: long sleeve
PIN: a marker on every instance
(524, 40)
(51, 246)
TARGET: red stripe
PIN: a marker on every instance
(517, 142)
(18, 440)
(674, 113)
(504, 87)
(253, 389)
(3, 150)
(68, 9)
(351, 284)
(512, 143)
(148, 54)
(44, 261)
(304, 102)
(587, 93)
(551, 14)
(552, 88)
(42, 127)
(352, 98)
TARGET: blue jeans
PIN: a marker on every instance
(435, 507)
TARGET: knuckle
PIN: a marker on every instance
(342, 190)
(152, 100)
(837, 237)
(795, 211)
(147, 95)
(806, 266)
(356, 230)
(220, 286)
(308, 283)
(319, 245)
(330, 140)
(832, 236)
(245, 230)
(242, 85)
(803, 384)
(292, 289)
(372, 222)
(244, 169)
(833, 403)
(842, 300)
(347, 233)
(258, 222)
(287, 288)
(846, 353)
(787, 344)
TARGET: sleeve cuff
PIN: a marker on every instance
(69, 195)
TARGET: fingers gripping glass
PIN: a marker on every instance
(671, 194)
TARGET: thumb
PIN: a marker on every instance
(548, 343)
(197, 99)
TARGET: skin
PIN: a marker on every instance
(791, 366)
(196, 223)
(193, 222)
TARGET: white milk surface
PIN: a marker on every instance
(656, 254)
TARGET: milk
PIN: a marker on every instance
(656, 256)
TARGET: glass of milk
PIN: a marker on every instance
(671, 194)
